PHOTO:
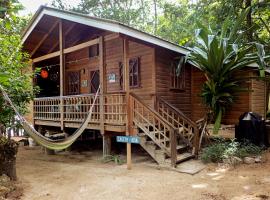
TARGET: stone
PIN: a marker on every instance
(249, 160)
(233, 160)
(258, 159)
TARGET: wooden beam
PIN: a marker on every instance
(67, 32)
(47, 56)
(44, 38)
(62, 71)
(81, 46)
(67, 50)
(111, 36)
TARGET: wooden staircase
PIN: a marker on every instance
(166, 134)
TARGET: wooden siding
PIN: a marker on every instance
(242, 102)
(258, 96)
(146, 57)
(113, 56)
(181, 99)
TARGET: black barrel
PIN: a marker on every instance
(251, 127)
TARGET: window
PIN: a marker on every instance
(134, 73)
(94, 81)
(73, 83)
(177, 79)
(93, 51)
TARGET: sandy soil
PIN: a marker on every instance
(76, 177)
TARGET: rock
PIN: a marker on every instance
(4, 179)
(233, 160)
(249, 160)
(258, 159)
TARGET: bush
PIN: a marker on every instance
(222, 149)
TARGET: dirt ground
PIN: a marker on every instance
(85, 176)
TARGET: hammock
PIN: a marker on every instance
(47, 142)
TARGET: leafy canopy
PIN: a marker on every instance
(14, 76)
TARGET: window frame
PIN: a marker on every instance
(135, 62)
(178, 82)
(71, 84)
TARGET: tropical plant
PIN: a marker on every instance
(219, 56)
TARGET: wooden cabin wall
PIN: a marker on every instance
(258, 96)
(181, 99)
(84, 66)
(197, 106)
(146, 59)
(254, 101)
(113, 56)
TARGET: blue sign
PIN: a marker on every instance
(128, 139)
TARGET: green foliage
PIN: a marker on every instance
(222, 149)
(14, 76)
(113, 158)
(220, 56)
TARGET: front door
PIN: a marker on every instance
(94, 81)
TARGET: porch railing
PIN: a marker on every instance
(76, 107)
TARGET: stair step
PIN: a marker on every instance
(181, 146)
(183, 157)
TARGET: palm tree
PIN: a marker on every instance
(219, 56)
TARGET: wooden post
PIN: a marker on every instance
(126, 87)
(62, 72)
(106, 145)
(102, 79)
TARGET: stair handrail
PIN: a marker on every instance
(173, 129)
(180, 113)
(188, 120)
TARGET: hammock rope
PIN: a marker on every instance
(41, 139)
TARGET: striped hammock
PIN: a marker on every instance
(41, 139)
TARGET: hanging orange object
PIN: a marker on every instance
(44, 73)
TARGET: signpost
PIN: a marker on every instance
(129, 140)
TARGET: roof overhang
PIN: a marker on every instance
(104, 24)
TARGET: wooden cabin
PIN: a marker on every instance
(140, 93)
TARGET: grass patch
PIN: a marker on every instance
(221, 149)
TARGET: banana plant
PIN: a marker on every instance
(219, 56)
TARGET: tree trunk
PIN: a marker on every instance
(9, 168)
(249, 21)
(155, 8)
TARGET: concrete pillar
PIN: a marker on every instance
(107, 144)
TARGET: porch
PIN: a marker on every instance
(70, 111)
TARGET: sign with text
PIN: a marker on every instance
(128, 139)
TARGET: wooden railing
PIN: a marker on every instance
(185, 126)
(159, 130)
(47, 108)
(76, 107)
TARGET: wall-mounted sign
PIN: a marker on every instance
(112, 78)
(84, 83)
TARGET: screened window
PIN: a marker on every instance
(134, 73)
(94, 81)
(93, 51)
(177, 78)
(73, 83)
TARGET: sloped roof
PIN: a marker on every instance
(105, 24)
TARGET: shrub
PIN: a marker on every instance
(222, 149)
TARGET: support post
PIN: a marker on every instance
(106, 145)
(126, 87)
(62, 72)
(102, 79)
